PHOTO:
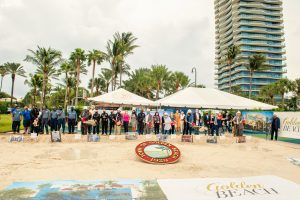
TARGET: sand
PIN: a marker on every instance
(115, 159)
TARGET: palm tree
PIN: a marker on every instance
(66, 68)
(269, 91)
(35, 82)
(3, 72)
(256, 63)
(94, 57)
(46, 60)
(231, 54)
(180, 80)
(15, 69)
(120, 47)
(297, 87)
(237, 90)
(99, 84)
(284, 86)
(160, 75)
(106, 75)
(78, 56)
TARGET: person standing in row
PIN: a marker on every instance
(26, 119)
(126, 119)
(141, 120)
(72, 119)
(96, 117)
(182, 117)
(156, 120)
(197, 118)
(104, 119)
(85, 116)
(133, 121)
(54, 120)
(206, 123)
(219, 122)
(45, 119)
(167, 124)
(61, 120)
(238, 123)
(111, 121)
(178, 121)
(275, 126)
(16, 120)
(118, 123)
(148, 122)
(34, 114)
(173, 123)
(188, 120)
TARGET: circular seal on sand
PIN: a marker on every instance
(157, 152)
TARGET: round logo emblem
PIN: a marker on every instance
(157, 152)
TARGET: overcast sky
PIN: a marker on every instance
(177, 33)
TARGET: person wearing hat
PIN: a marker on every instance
(275, 126)
(238, 123)
(148, 122)
(26, 119)
(167, 123)
(141, 122)
(189, 121)
(54, 120)
(16, 120)
(104, 119)
(61, 119)
(72, 119)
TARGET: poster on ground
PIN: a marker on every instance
(289, 124)
(257, 122)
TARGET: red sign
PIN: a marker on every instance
(157, 152)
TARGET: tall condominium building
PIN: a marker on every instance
(256, 26)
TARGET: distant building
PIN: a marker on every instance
(256, 26)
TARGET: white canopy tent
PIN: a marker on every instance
(211, 99)
(121, 97)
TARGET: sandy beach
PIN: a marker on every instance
(115, 159)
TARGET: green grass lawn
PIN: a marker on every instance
(283, 139)
(5, 123)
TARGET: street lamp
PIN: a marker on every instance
(195, 70)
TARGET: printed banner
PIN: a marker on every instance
(248, 188)
(258, 122)
(289, 124)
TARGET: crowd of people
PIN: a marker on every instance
(95, 121)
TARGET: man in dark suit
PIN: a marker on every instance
(275, 126)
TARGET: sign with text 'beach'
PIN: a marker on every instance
(289, 124)
(247, 188)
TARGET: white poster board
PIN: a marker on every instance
(289, 124)
(247, 188)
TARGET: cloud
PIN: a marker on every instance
(177, 33)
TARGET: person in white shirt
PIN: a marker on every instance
(167, 123)
(182, 117)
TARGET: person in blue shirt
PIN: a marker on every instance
(54, 120)
(61, 122)
(26, 119)
(72, 120)
(16, 120)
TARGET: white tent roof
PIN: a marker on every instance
(122, 97)
(210, 98)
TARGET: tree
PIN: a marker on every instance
(46, 60)
(3, 72)
(256, 63)
(15, 69)
(99, 84)
(160, 76)
(269, 91)
(35, 82)
(78, 56)
(297, 87)
(180, 80)
(284, 86)
(231, 54)
(106, 75)
(66, 68)
(94, 57)
(237, 90)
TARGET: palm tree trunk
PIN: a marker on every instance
(250, 85)
(77, 81)
(120, 78)
(1, 83)
(272, 99)
(12, 89)
(94, 65)
(34, 95)
(66, 98)
(282, 101)
(157, 91)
